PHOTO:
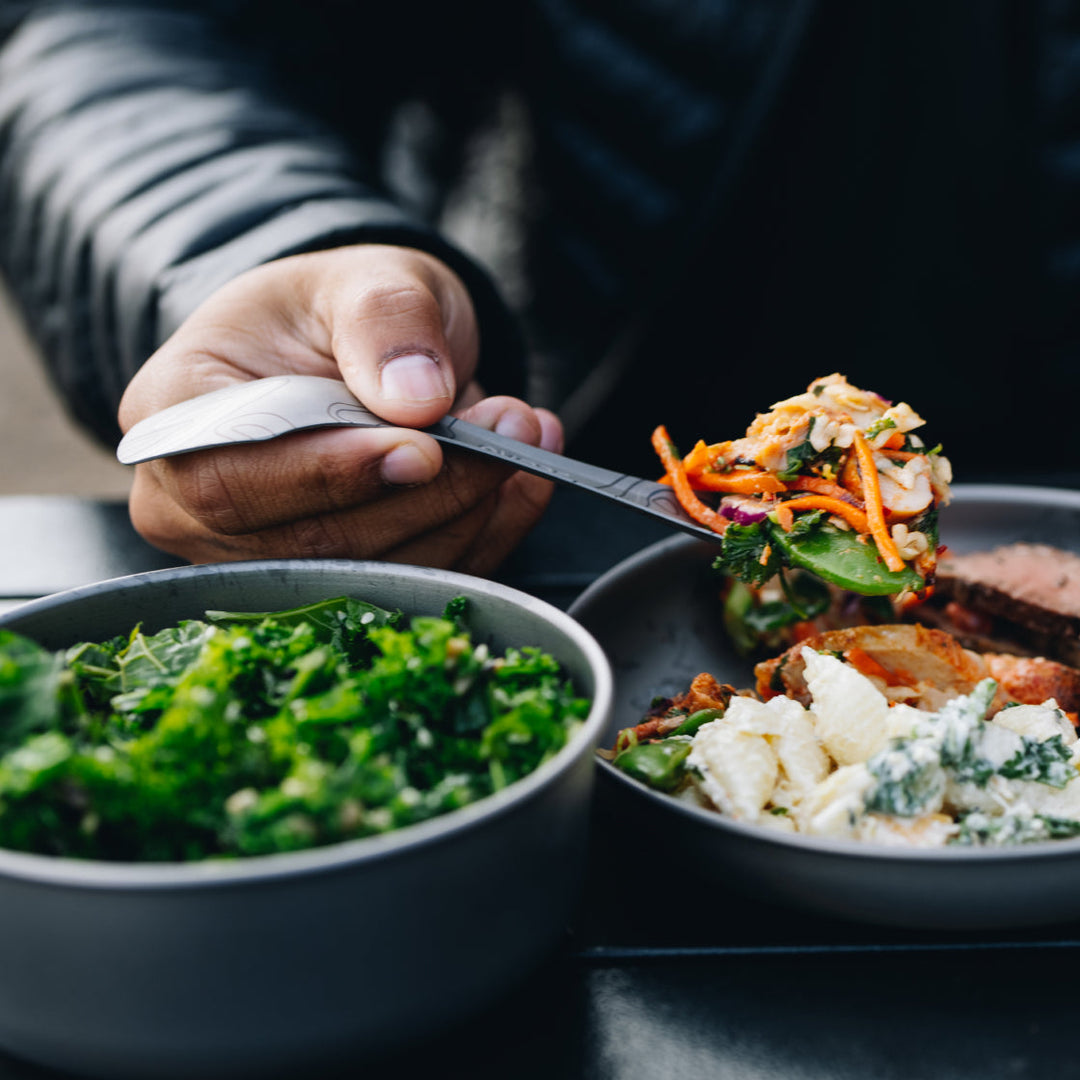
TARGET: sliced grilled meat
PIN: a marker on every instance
(1022, 599)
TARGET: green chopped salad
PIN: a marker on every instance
(253, 733)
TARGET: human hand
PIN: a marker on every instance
(398, 326)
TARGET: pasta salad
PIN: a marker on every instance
(848, 762)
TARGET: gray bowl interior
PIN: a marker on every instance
(282, 962)
(658, 617)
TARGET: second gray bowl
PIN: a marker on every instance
(659, 617)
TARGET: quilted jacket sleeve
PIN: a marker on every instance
(147, 157)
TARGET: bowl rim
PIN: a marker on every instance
(1043, 497)
(252, 869)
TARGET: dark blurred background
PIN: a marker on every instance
(907, 220)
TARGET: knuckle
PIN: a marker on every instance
(203, 489)
(455, 497)
(407, 301)
(322, 537)
(153, 528)
(339, 479)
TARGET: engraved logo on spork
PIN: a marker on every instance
(657, 497)
(354, 414)
(665, 500)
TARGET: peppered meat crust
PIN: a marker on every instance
(1020, 598)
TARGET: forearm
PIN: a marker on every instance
(146, 162)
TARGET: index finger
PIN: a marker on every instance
(252, 486)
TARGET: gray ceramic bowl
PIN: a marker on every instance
(658, 617)
(280, 962)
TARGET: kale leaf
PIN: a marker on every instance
(805, 598)
(1047, 762)
(747, 553)
(1013, 827)
(907, 783)
(804, 457)
(31, 687)
(251, 733)
(962, 721)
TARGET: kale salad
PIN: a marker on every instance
(253, 733)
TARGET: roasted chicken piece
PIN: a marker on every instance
(912, 664)
(923, 667)
(1032, 680)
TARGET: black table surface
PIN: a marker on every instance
(662, 974)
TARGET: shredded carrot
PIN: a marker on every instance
(784, 517)
(895, 441)
(741, 483)
(699, 472)
(705, 455)
(673, 466)
(900, 455)
(851, 514)
(875, 511)
(849, 476)
(913, 600)
(824, 487)
(701, 457)
(863, 662)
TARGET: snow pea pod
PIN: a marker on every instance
(690, 725)
(843, 559)
(660, 765)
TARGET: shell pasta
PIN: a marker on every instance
(847, 762)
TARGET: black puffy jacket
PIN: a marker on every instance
(737, 194)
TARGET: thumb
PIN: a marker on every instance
(403, 333)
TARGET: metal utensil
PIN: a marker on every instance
(267, 408)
